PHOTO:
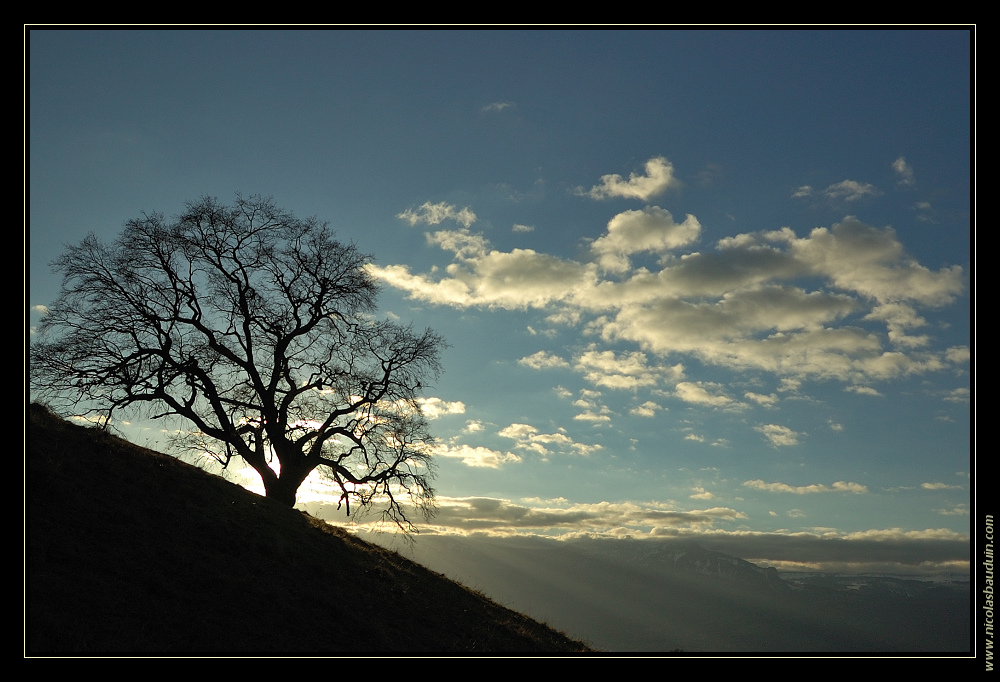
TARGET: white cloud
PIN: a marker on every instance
(869, 261)
(435, 407)
(462, 243)
(839, 303)
(647, 409)
(702, 393)
(562, 392)
(700, 494)
(863, 390)
(497, 106)
(904, 171)
(851, 190)
(543, 360)
(899, 317)
(959, 395)
(595, 417)
(958, 354)
(839, 486)
(651, 229)
(940, 486)
(658, 178)
(432, 214)
(779, 435)
(522, 228)
(622, 370)
(479, 457)
(760, 399)
(529, 439)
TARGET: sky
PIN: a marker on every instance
(695, 283)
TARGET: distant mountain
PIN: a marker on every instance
(691, 558)
(664, 595)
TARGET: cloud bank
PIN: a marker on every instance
(891, 550)
(842, 302)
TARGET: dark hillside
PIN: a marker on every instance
(133, 551)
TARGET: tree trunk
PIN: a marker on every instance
(283, 494)
(282, 491)
(284, 486)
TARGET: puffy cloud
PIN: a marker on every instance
(958, 354)
(699, 393)
(449, 291)
(462, 243)
(779, 435)
(866, 260)
(432, 214)
(821, 306)
(898, 318)
(849, 487)
(647, 409)
(701, 494)
(839, 486)
(513, 280)
(651, 229)
(658, 178)
(522, 278)
(479, 457)
(529, 439)
(435, 407)
(602, 417)
(760, 399)
(622, 370)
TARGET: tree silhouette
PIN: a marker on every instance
(259, 329)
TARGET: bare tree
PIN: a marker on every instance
(258, 328)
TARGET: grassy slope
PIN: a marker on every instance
(132, 551)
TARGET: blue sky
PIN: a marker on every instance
(693, 282)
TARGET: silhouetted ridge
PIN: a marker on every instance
(134, 551)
